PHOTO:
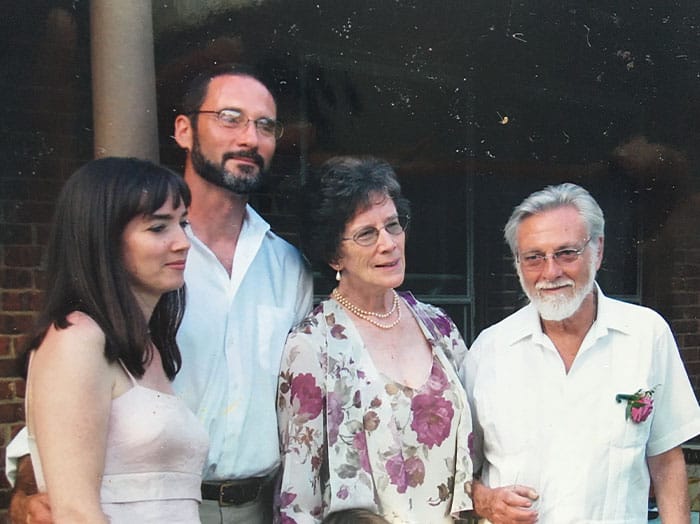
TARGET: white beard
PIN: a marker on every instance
(562, 305)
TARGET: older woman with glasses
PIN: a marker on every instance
(371, 411)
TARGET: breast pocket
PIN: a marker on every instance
(618, 431)
(631, 434)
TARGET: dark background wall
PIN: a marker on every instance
(604, 94)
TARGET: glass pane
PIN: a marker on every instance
(478, 104)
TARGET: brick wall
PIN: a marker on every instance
(680, 302)
(44, 135)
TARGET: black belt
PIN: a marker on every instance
(235, 492)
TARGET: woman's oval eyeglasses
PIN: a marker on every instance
(368, 236)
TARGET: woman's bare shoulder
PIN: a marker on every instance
(81, 334)
(83, 322)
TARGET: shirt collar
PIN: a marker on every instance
(609, 316)
(612, 315)
(253, 223)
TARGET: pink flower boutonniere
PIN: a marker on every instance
(639, 404)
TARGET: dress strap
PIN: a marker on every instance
(28, 391)
(131, 377)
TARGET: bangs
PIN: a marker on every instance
(366, 200)
(157, 189)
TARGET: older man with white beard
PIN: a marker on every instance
(578, 400)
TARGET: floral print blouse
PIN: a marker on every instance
(352, 437)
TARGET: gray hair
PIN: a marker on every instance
(554, 197)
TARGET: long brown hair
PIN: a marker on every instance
(85, 271)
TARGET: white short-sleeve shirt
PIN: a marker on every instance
(564, 433)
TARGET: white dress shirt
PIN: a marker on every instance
(231, 340)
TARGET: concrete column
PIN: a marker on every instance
(123, 79)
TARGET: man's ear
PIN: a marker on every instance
(601, 245)
(184, 133)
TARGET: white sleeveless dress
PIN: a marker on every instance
(155, 452)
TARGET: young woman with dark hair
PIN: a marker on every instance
(109, 440)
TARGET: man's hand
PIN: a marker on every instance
(30, 509)
(26, 505)
(505, 505)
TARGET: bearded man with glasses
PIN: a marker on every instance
(578, 400)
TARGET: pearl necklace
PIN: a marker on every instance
(368, 315)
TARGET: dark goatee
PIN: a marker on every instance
(245, 182)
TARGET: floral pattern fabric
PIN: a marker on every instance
(351, 437)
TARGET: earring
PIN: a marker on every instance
(337, 275)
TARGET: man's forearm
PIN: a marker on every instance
(670, 481)
(25, 485)
(26, 481)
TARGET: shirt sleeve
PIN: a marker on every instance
(676, 413)
(300, 413)
(17, 448)
(305, 294)
(468, 373)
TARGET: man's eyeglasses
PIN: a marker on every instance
(563, 257)
(368, 236)
(235, 119)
